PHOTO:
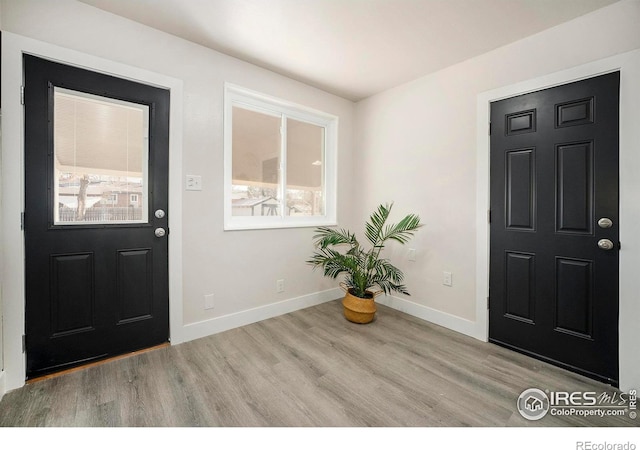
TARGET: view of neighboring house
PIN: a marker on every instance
(106, 198)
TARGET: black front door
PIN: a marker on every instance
(554, 225)
(96, 195)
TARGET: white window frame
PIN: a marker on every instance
(244, 98)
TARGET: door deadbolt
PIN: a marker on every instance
(160, 232)
(605, 244)
(159, 213)
(605, 222)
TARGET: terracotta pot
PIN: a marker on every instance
(359, 310)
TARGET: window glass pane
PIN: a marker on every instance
(280, 163)
(305, 162)
(101, 151)
(255, 163)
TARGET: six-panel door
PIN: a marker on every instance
(554, 176)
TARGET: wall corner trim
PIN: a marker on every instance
(455, 323)
(219, 324)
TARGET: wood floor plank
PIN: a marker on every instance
(309, 368)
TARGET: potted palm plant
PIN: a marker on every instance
(366, 273)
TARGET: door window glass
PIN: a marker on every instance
(101, 152)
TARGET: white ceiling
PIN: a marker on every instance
(353, 48)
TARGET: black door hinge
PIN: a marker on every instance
(22, 95)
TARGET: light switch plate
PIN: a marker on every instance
(194, 183)
(208, 301)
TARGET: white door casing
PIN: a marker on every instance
(12, 179)
(629, 66)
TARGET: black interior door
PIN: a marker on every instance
(554, 176)
(96, 171)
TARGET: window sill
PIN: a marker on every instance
(253, 223)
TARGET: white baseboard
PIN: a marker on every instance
(455, 323)
(219, 324)
(3, 387)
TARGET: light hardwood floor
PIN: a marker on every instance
(309, 368)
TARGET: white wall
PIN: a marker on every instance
(240, 267)
(418, 144)
(2, 385)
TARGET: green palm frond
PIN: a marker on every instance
(326, 236)
(389, 278)
(363, 269)
(375, 225)
(404, 230)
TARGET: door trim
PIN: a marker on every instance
(629, 66)
(13, 275)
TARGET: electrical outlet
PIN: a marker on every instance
(208, 301)
(447, 279)
(412, 254)
(194, 183)
(279, 286)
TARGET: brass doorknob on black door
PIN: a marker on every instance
(605, 244)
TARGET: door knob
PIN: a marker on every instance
(605, 222)
(605, 244)
(160, 232)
